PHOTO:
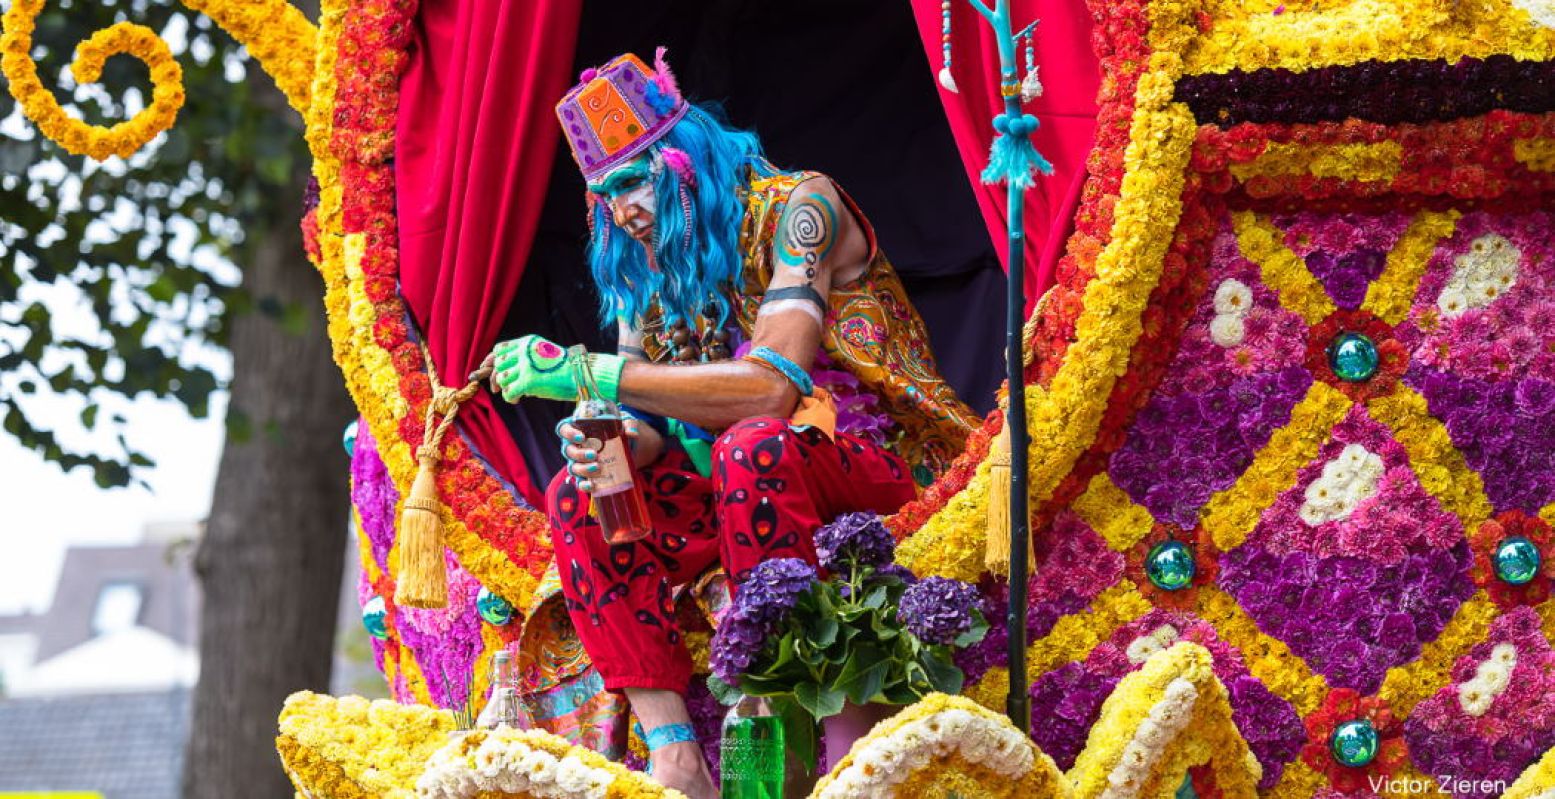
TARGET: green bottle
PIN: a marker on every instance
(752, 751)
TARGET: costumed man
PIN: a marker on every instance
(739, 292)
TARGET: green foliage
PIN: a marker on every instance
(116, 279)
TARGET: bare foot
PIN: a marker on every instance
(680, 766)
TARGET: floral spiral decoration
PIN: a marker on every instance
(274, 31)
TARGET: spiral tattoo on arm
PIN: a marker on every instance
(809, 231)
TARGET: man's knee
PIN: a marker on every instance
(759, 444)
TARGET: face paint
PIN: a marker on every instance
(628, 192)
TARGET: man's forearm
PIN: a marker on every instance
(712, 395)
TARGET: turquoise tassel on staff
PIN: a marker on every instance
(1013, 159)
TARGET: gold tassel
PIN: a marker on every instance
(422, 578)
(996, 554)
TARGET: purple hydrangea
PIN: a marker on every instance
(898, 571)
(938, 609)
(854, 538)
(761, 602)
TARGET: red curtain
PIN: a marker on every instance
(475, 138)
(1071, 76)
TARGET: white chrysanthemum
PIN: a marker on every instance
(1475, 698)
(1165, 635)
(572, 775)
(1353, 456)
(1312, 515)
(1141, 648)
(1354, 492)
(599, 783)
(1453, 300)
(1233, 298)
(538, 766)
(488, 760)
(1227, 330)
(1542, 11)
(1322, 492)
(1505, 654)
(1372, 467)
(1494, 676)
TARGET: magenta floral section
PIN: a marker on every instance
(1509, 336)
(1497, 717)
(1399, 519)
(1357, 595)
(374, 495)
(1345, 252)
(1273, 338)
(1073, 566)
(1220, 400)
(1067, 701)
(446, 641)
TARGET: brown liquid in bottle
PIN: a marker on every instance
(617, 501)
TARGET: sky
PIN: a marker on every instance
(47, 510)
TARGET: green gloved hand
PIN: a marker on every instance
(534, 367)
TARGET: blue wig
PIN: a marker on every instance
(696, 269)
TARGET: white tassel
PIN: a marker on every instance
(1031, 87)
(947, 81)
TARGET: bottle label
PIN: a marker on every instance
(615, 467)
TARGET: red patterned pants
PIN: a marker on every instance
(772, 486)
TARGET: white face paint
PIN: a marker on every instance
(628, 192)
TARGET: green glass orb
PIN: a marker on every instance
(1355, 743)
(1353, 357)
(1170, 566)
(494, 609)
(1517, 560)
(375, 617)
(348, 439)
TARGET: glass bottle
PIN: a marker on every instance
(752, 751)
(616, 500)
(504, 708)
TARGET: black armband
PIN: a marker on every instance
(805, 292)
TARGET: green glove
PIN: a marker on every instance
(534, 367)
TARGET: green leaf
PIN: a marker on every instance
(725, 693)
(876, 597)
(819, 701)
(89, 416)
(974, 634)
(799, 731)
(821, 631)
(942, 673)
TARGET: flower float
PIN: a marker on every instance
(1303, 339)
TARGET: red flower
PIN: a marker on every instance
(1488, 538)
(1206, 560)
(1342, 705)
(1392, 356)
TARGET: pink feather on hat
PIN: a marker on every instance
(679, 163)
(662, 75)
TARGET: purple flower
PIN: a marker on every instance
(898, 571)
(938, 609)
(773, 586)
(760, 604)
(859, 539)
